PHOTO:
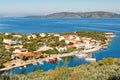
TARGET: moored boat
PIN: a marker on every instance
(20, 67)
(104, 48)
(52, 60)
(24, 66)
(90, 59)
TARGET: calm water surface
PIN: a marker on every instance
(32, 25)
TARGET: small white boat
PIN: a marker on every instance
(41, 63)
(20, 67)
(81, 55)
(24, 66)
(90, 59)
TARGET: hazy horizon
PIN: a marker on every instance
(44, 7)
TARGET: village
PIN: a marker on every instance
(27, 48)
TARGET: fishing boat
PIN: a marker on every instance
(52, 60)
(90, 59)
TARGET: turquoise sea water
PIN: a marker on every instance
(33, 25)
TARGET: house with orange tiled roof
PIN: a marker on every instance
(65, 36)
(79, 44)
(26, 54)
(29, 54)
(71, 46)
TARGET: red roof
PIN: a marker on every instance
(27, 54)
(78, 42)
(7, 39)
(65, 36)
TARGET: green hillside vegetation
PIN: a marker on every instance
(106, 69)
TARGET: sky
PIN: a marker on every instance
(43, 7)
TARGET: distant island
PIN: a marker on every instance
(97, 14)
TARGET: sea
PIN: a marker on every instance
(37, 25)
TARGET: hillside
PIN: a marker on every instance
(98, 14)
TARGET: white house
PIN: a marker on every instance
(67, 41)
(61, 49)
(71, 37)
(77, 38)
(17, 51)
(57, 35)
(61, 38)
(29, 36)
(42, 34)
(17, 36)
(7, 34)
(33, 36)
(20, 51)
(44, 48)
(18, 46)
(8, 41)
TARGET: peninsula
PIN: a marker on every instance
(24, 49)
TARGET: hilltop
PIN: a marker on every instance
(97, 14)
